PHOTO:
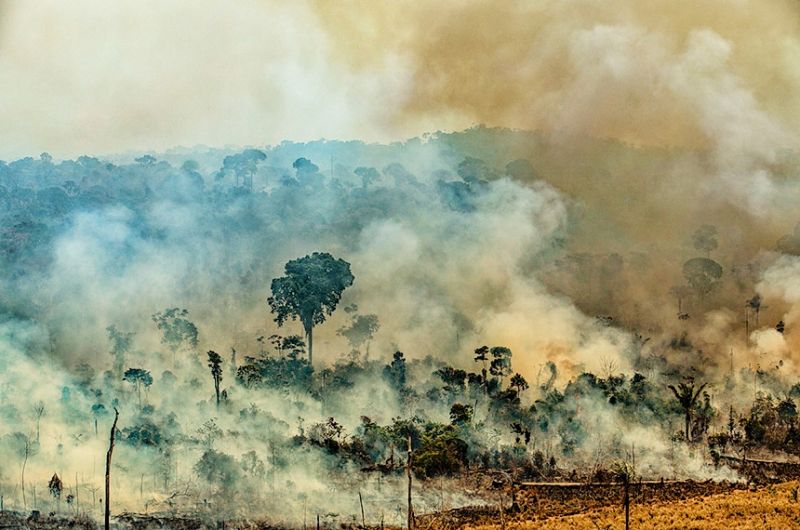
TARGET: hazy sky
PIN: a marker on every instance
(91, 76)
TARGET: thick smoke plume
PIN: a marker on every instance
(625, 220)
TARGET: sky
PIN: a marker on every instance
(96, 77)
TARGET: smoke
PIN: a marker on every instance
(650, 121)
(160, 74)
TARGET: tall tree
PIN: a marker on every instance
(687, 396)
(178, 332)
(215, 363)
(138, 377)
(310, 291)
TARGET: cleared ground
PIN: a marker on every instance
(770, 507)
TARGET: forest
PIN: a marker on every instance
(307, 333)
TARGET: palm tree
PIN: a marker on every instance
(687, 397)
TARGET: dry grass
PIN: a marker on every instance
(772, 507)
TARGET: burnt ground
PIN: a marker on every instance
(517, 501)
(536, 501)
(520, 502)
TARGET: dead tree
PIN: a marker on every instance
(408, 473)
(625, 472)
(107, 518)
(361, 502)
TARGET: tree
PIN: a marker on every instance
(243, 165)
(625, 473)
(120, 345)
(215, 363)
(482, 356)
(453, 378)
(460, 414)
(360, 331)
(702, 275)
(310, 291)
(501, 362)
(395, 372)
(705, 239)
(24, 447)
(680, 292)
(107, 514)
(687, 396)
(518, 383)
(98, 410)
(177, 330)
(138, 377)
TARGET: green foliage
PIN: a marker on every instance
(500, 365)
(289, 370)
(460, 414)
(454, 379)
(145, 433)
(178, 332)
(310, 290)
(395, 372)
(138, 376)
(215, 363)
(218, 468)
(360, 330)
(440, 451)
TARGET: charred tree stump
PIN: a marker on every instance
(409, 463)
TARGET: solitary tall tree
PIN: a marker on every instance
(215, 363)
(310, 291)
(687, 396)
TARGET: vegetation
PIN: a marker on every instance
(414, 269)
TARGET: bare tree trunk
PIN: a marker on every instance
(361, 502)
(107, 518)
(24, 463)
(409, 463)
